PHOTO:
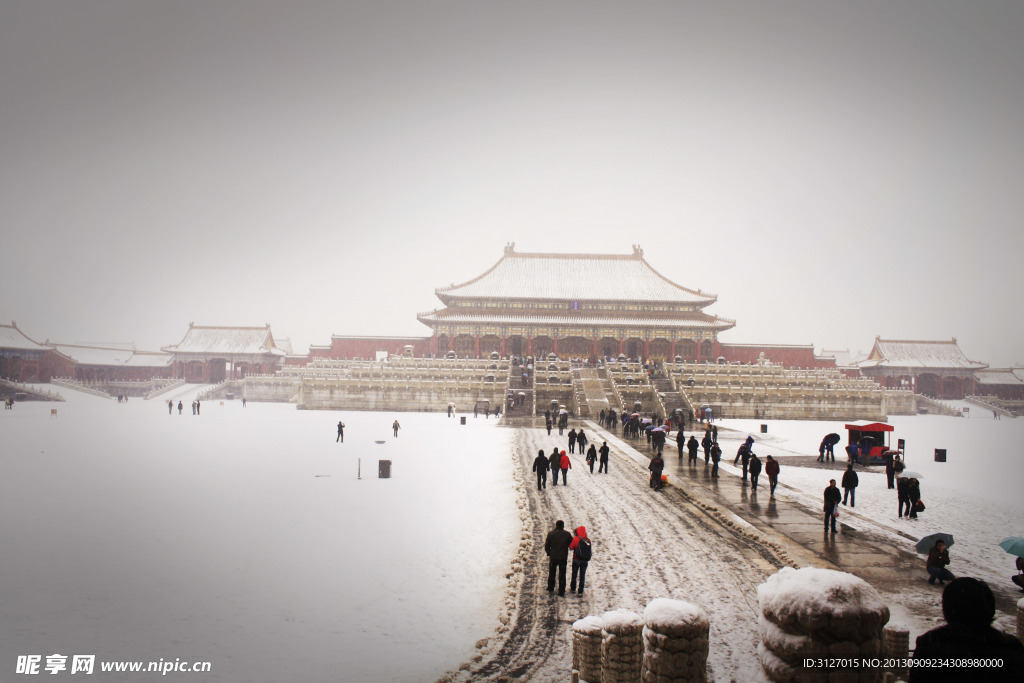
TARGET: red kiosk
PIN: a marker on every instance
(869, 439)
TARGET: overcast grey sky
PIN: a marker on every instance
(832, 170)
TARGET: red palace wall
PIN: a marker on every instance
(367, 347)
(788, 356)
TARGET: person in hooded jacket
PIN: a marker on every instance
(850, 481)
(566, 465)
(556, 546)
(969, 607)
(555, 462)
(581, 549)
(540, 466)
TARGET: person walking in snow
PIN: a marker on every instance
(706, 443)
(890, 470)
(547, 424)
(657, 466)
(198, 407)
(716, 455)
(572, 440)
(744, 455)
(581, 440)
(581, 553)
(592, 457)
(540, 466)
(180, 406)
(850, 481)
(341, 432)
(395, 427)
(832, 498)
(566, 465)
(901, 494)
(692, 447)
(755, 470)
(771, 468)
(680, 440)
(555, 462)
(914, 496)
(556, 546)
(170, 407)
(603, 467)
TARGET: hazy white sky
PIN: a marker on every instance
(832, 170)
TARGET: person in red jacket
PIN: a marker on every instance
(771, 468)
(566, 466)
(581, 552)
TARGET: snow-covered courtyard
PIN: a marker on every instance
(245, 537)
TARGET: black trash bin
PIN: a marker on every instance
(764, 429)
(384, 469)
(462, 419)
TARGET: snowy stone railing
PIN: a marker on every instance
(165, 388)
(668, 643)
(48, 395)
(675, 641)
(69, 383)
(814, 613)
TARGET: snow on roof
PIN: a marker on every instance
(227, 340)
(668, 616)
(999, 376)
(918, 354)
(575, 277)
(621, 621)
(812, 596)
(13, 338)
(100, 355)
(704, 321)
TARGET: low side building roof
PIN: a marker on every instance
(113, 356)
(226, 340)
(13, 338)
(1003, 376)
(918, 354)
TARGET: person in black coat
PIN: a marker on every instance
(850, 481)
(716, 455)
(890, 471)
(913, 495)
(581, 440)
(832, 498)
(901, 494)
(604, 458)
(572, 440)
(692, 447)
(556, 545)
(680, 440)
(555, 462)
(657, 466)
(540, 466)
(755, 470)
(969, 608)
(592, 457)
(706, 443)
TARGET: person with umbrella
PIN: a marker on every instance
(1015, 546)
(938, 559)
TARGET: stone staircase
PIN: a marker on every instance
(670, 398)
(589, 392)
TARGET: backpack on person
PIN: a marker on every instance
(584, 550)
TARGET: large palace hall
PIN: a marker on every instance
(574, 305)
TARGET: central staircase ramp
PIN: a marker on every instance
(589, 390)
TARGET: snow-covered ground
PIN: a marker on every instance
(243, 537)
(975, 495)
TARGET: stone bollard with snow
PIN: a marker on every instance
(675, 642)
(896, 646)
(622, 647)
(812, 614)
(586, 648)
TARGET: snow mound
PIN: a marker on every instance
(622, 622)
(589, 625)
(822, 601)
(674, 617)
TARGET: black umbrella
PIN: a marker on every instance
(832, 438)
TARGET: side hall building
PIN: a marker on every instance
(574, 305)
(215, 354)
